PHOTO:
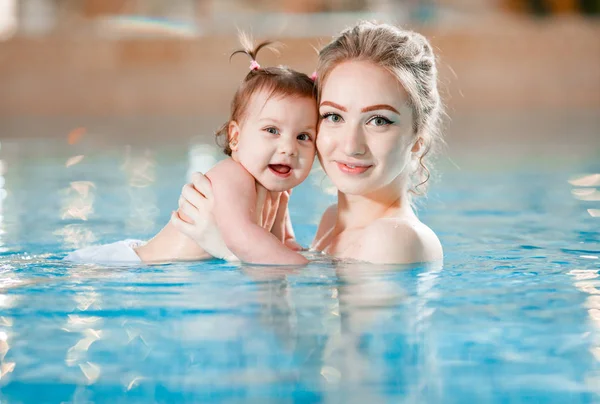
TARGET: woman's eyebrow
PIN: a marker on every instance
(378, 107)
(334, 105)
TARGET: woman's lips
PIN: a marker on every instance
(349, 168)
(281, 170)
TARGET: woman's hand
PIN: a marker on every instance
(194, 217)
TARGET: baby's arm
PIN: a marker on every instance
(235, 201)
(290, 237)
(282, 227)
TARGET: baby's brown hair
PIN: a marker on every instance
(278, 81)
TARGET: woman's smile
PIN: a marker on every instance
(352, 168)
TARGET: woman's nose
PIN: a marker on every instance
(354, 142)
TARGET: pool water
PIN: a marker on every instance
(512, 315)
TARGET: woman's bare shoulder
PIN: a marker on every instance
(399, 241)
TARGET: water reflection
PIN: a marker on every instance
(78, 352)
(331, 321)
(91, 371)
(594, 212)
(202, 157)
(590, 180)
(5, 366)
(78, 200)
(585, 193)
(77, 205)
(133, 381)
(71, 161)
(7, 301)
(86, 328)
(140, 170)
(588, 281)
(75, 236)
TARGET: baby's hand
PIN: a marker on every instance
(293, 245)
(282, 228)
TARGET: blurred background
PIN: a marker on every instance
(513, 72)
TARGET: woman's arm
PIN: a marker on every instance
(234, 208)
(195, 219)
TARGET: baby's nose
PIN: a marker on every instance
(288, 147)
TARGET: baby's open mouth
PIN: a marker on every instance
(281, 170)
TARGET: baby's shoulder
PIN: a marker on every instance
(231, 171)
(400, 240)
(227, 165)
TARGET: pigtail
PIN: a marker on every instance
(249, 49)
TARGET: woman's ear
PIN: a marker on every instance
(233, 133)
(417, 146)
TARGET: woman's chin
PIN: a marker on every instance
(352, 188)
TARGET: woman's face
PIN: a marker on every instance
(366, 131)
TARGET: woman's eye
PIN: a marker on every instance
(331, 117)
(272, 130)
(303, 137)
(379, 121)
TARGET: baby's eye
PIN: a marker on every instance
(272, 130)
(379, 121)
(332, 117)
(303, 137)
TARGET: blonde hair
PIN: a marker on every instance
(409, 57)
(278, 81)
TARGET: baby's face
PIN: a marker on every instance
(276, 139)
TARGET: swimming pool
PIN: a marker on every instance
(512, 316)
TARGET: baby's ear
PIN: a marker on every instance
(233, 133)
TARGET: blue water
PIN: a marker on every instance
(512, 316)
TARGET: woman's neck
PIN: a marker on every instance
(358, 211)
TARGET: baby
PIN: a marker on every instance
(270, 141)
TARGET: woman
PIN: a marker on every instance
(380, 114)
